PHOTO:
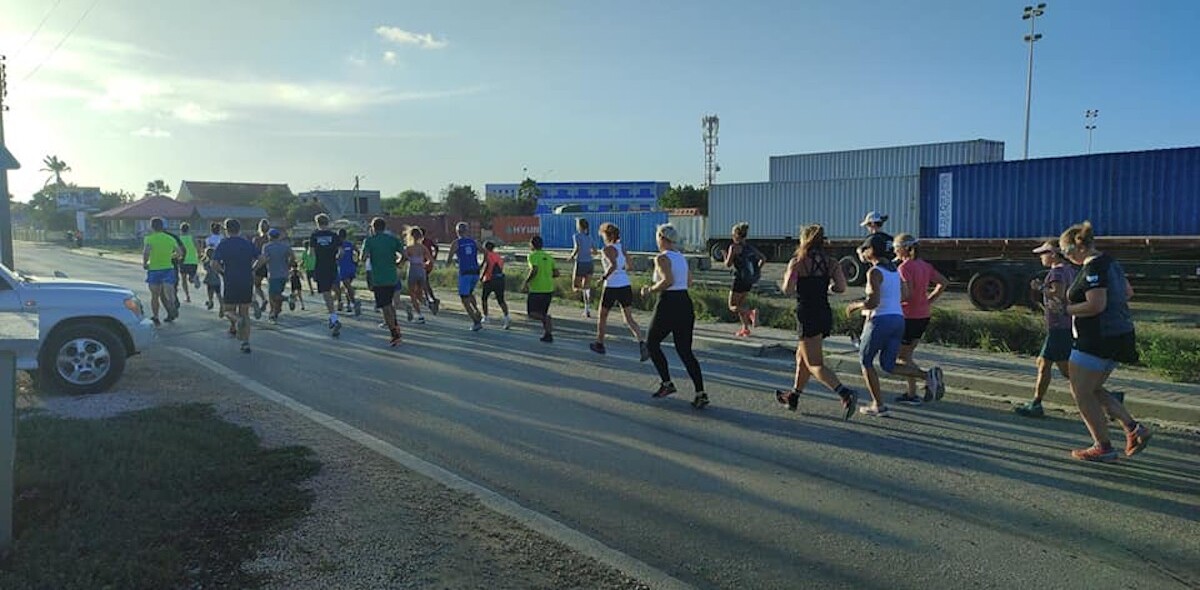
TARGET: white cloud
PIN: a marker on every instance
(422, 40)
(389, 57)
(193, 113)
(152, 132)
(357, 61)
(126, 94)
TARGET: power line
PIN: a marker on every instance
(45, 17)
(61, 41)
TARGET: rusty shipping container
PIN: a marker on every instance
(515, 230)
(439, 228)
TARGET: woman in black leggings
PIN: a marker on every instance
(673, 315)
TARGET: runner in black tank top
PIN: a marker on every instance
(811, 275)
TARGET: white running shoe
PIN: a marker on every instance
(506, 322)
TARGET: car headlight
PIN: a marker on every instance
(135, 305)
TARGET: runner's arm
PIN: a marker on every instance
(730, 255)
(790, 276)
(146, 255)
(664, 275)
(453, 251)
(939, 286)
(837, 278)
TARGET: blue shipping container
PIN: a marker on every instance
(637, 229)
(1151, 193)
(904, 160)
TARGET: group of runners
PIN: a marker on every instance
(1087, 311)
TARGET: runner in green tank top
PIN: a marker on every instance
(191, 261)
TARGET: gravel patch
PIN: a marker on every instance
(373, 524)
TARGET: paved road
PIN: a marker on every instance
(741, 495)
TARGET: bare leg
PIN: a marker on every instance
(602, 324)
(810, 352)
(632, 323)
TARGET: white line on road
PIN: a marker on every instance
(536, 521)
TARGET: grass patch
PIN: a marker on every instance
(169, 497)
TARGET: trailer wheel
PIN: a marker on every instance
(990, 291)
(855, 271)
(719, 249)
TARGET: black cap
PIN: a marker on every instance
(879, 245)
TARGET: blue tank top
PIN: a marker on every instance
(468, 256)
(347, 260)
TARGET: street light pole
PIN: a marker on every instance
(1031, 13)
(1089, 118)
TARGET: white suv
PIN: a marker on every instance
(86, 329)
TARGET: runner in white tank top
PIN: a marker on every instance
(673, 316)
(617, 289)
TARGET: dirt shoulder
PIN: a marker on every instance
(372, 523)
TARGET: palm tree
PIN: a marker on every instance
(157, 188)
(55, 167)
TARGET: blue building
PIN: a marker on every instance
(595, 197)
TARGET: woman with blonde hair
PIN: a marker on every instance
(418, 256)
(673, 315)
(617, 289)
(811, 275)
(1098, 301)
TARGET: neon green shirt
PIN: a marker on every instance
(543, 281)
(190, 255)
(162, 248)
(308, 260)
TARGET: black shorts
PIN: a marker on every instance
(238, 294)
(741, 286)
(384, 294)
(495, 285)
(325, 278)
(188, 270)
(615, 295)
(914, 329)
(296, 284)
(261, 273)
(811, 323)
(538, 303)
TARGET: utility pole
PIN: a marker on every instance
(7, 162)
(1089, 123)
(711, 124)
(1031, 14)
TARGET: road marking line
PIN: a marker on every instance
(532, 519)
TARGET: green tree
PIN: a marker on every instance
(410, 202)
(276, 202)
(157, 188)
(43, 211)
(55, 167)
(524, 203)
(685, 197)
(462, 201)
(112, 200)
(300, 211)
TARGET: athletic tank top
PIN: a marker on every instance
(889, 293)
(812, 291)
(496, 269)
(583, 243)
(467, 254)
(618, 278)
(679, 271)
(417, 261)
(347, 259)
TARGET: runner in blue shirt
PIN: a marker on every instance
(467, 251)
(347, 271)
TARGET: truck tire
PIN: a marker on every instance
(719, 249)
(990, 291)
(81, 359)
(855, 271)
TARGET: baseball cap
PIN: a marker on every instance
(878, 245)
(1047, 246)
(274, 233)
(873, 217)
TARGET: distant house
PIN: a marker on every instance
(225, 193)
(205, 214)
(132, 220)
(346, 204)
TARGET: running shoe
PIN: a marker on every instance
(587, 311)
(506, 322)
(395, 341)
(849, 404)
(434, 305)
(246, 347)
(908, 400)
(643, 352)
(928, 397)
(665, 389)
(476, 327)
(1030, 409)
(700, 401)
(547, 338)
(1136, 440)
(274, 319)
(742, 333)
(208, 305)
(169, 319)
(598, 347)
(292, 303)
(408, 312)
(383, 326)
(357, 307)
(1096, 453)
(871, 410)
(335, 329)
(940, 391)
(420, 320)
(791, 399)
(483, 320)
(754, 318)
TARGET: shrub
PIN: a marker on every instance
(1174, 355)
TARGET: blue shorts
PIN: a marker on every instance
(166, 276)
(347, 273)
(882, 336)
(1092, 362)
(466, 284)
(275, 287)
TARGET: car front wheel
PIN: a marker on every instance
(82, 359)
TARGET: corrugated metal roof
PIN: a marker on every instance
(780, 209)
(1149, 193)
(148, 207)
(882, 162)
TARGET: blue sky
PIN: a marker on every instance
(421, 94)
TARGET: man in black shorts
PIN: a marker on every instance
(325, 244)
(382, 250)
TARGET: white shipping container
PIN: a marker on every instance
(780, 209)
(883, 162)
(693, 231)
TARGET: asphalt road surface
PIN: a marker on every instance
(742, 494)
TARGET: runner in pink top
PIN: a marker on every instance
(919, 275)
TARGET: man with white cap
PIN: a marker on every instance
(874, 224)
